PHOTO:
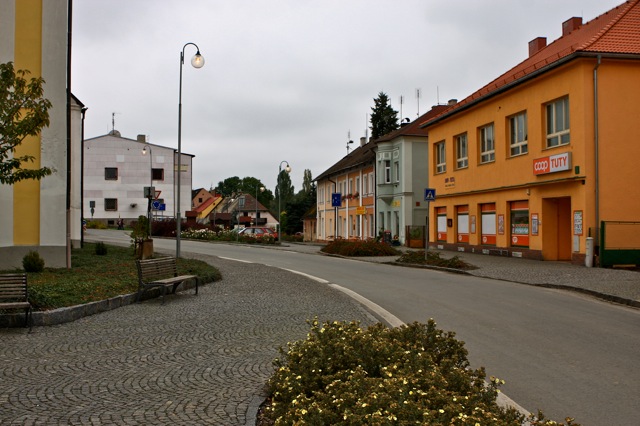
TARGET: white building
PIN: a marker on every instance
(116, 171)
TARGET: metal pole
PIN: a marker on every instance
(288, 169)
(197, 64)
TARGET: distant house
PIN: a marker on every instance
(534, 162)
(353, 179)
(402, 176)
(116, 171)
(242, 210)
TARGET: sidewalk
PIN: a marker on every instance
(614, 285)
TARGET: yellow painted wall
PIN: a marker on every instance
(28, 48)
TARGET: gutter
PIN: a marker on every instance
(596, 149)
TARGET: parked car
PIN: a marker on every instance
(258, 232)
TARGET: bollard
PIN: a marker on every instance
(588, 261)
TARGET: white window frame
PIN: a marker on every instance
(558, 124)
(487, 144)
(518, 134)
(462, 151)
(396, 165)
(387, 171)
(441, 157)
(372, 187)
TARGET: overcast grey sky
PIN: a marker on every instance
(286, 80)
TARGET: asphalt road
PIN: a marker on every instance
(566, 354)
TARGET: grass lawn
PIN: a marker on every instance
(93, 277)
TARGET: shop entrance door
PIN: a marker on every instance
(556, 228)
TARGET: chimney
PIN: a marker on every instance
(570, 25)
(363, 141)
(142, 138)
(536, 45)
(452, 102)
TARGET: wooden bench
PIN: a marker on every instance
(14, 295)
(160, 272)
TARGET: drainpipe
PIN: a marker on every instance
(596, 148)
(69, 176)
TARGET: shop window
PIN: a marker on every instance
(519, 223)
(488, 223)
(441, 214)
(462, 219)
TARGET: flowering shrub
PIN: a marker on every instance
(415, 374)
(359, 248)
(198, 234)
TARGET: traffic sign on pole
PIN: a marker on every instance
(429, 194)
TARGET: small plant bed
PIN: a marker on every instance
(359, 248)
(434, 259)
(95, 276)
(415, 374)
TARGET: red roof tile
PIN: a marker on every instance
(614, 32)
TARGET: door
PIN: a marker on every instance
(556, 228)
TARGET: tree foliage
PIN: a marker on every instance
(299, 205)
(234, 185)
(23, 112)
(384, 119)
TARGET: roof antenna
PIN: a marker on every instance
(418, 95)
(401, 102)
(349, 141)
(113, 121)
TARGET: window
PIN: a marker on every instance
(396, 165)
(351, 186)
(110, 173)
(519, 134)
(157, 174)
(387, 171)
(462, 151)
(358, 184)
(372, 187)
(441, 162)
(487, 144)
(558, 122)
(111, 204)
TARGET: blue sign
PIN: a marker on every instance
(336, 199)
(162, 207)
(429, 194)
(155, 204)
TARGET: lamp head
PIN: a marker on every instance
(288, 168)
(198, 60)
(144, 151)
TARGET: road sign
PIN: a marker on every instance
(429, 194)
(336, 199)
(155, 204)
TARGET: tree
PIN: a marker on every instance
(384, 119)
(284, 190)
(307, 181)
(249, 184)
(23, 112)
(229, 186)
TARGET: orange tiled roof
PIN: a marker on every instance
(615, 32)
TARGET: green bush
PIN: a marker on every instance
(95, 224)
(415, 374)
(433, 258)
(359, 248)
(32, 262)
(101, 249)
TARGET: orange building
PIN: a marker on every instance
(531, 164)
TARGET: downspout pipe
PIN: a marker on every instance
(69, 176)
(596, 149)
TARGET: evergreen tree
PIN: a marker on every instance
(384, 119)
(23, 112)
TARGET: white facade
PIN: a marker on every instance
(116, 172)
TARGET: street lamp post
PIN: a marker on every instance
(288, 170)
(197, 62)
(151, 188)
(261, 190)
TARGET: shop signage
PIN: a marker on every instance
(361, 210)
(552, 164)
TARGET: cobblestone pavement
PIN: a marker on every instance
(195, 360)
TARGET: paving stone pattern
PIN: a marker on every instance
(195, 360)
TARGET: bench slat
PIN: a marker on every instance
(14, 294)
(160, 272)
